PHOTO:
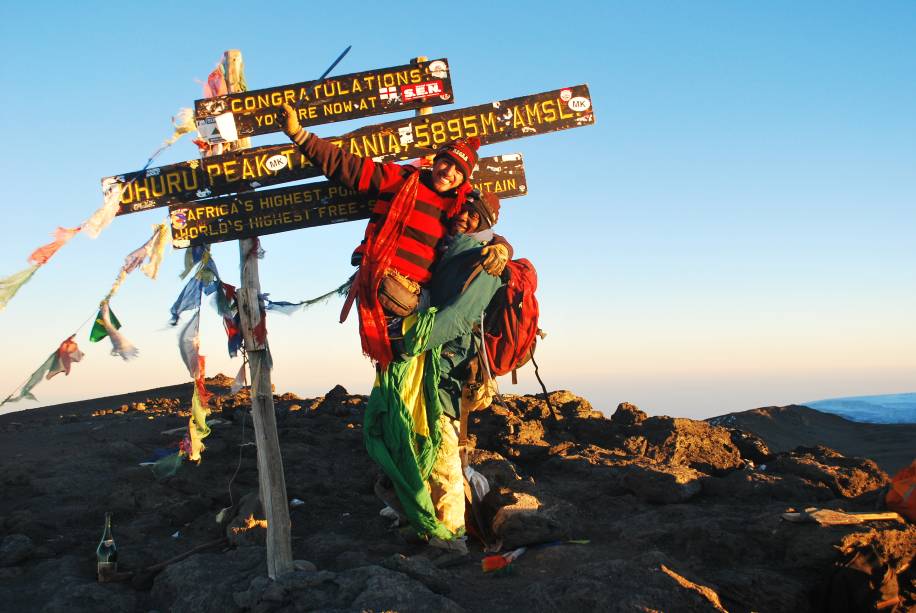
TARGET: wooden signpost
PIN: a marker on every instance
(401, 139)
(213, 199)
(309, 205)
(352, 96)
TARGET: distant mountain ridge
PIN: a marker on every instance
(881, 409)
(786, 428)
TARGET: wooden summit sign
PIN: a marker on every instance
(352, 96)
(310, 205)
(401, 139)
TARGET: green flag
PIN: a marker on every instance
(98, 330)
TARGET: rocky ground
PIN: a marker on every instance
(678, 515)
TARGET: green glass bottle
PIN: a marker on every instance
(107, 553)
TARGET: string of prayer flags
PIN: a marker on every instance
(66, 354)
(38, 258)
(288, 308)
(11, 284)
(240, 381)
(161, 240)
(216, 83)
(41, 255)
(204, 281)
(227, 306)
(189, 345)
(98, 221)
(119, 344)
(35, 378)
(197, 423)
(98, 331)
(58, 362)
(135, 258)
(184, 123)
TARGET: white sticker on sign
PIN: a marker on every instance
(579, 104)
(438, 69)
(405, 135)
(226, 125)
(276, 162)
(219, 129)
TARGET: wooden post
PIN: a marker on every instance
(271, 480)
(424, 110)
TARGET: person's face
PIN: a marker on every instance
(446, 175)
(465, 222)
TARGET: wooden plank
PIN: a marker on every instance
(401, 139)
(309, 205)
(352, 96)
(271, 479)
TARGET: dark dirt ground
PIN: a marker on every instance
(678, 513)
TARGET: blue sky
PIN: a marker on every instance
(735, 231)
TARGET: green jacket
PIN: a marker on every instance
(410, 395)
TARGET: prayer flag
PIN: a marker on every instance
(41, 255)
(66, 354)
(10, 285)
(98, 328)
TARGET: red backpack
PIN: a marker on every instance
(511, 322)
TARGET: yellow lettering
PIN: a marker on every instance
(415, 75)
(229, 170)
(394, 146)
(189, 185)
(354, 148)
(488, 121)
(213, 171)
(370, 145)
(356, 87)
(533, 112)
(247, 170)
(438, 131)
(470, 125)
(144, 188)
(454, 128)
(173, 180)
(517, 119)
(550, 110)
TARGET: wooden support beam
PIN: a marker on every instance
(271, 480)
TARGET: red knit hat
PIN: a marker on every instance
(463, 152)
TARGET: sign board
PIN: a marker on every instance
(401, 139)
(352, 96)
(307, 206)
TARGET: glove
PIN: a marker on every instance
(288, 120)
(495, 259)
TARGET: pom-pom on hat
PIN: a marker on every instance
(462, 151)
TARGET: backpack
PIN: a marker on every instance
(901, 493)
(511, 321)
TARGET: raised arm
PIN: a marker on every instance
(352, 171)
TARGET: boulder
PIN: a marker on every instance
(179, 587)
(846, 477)
(15, 549)
(628, 415)
(662, 484)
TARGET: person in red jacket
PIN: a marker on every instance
(407, 222)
